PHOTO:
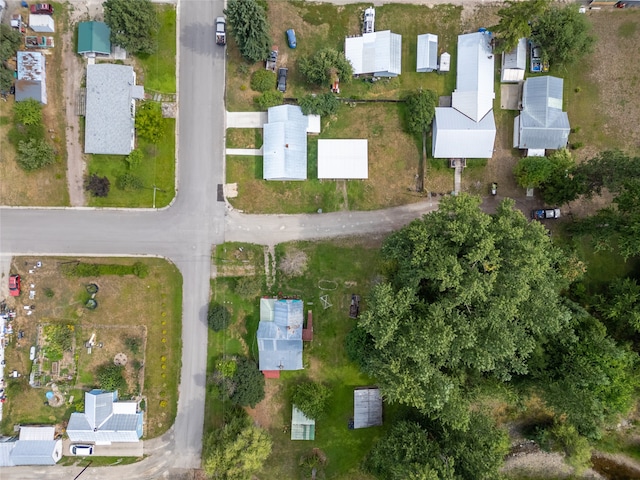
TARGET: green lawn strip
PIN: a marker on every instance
(244, 138)
(157, 168)
(160, 68)
(164, 340)
(96, 461)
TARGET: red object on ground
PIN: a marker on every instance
(307, 333)
(271, 373)
(14, 285)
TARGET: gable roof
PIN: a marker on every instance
(35, 446)
(94, 37)
(280, 340)
(109, 126)
(457, 136)
(31, 81)
(542, 123)
(302, 427)
(474, 92)
(427, 59)
(285, 144)
(378, 53)
(105, 419)
(41, 23)
(367, 407)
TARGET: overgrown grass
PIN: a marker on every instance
(160, 68)
(157, 168)
(336, 269)
(244, 138)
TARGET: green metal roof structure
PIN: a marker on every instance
(302, 427)
(94, 38)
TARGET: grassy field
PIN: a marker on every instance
(155, 302)
(160, 68)
(157, 168)
(337, 269)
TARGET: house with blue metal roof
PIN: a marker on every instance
(467, 128)
(280, 335)
(541, 124)
(94, 39)
(105, 420)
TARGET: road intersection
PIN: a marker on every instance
(184, 233)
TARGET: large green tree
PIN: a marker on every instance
(236, 451)
(467, 294)
(321, 67)
(563, 34)
(10, 41)
(134, 24)
(585, 375)
(515, 23)
(311, 398)
(421, 106)
(248, 23)
(149, 121)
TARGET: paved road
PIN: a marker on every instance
(183, 233)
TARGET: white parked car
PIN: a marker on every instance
(82, 450)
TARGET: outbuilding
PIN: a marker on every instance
(427, 59)
(94, 39)
(344, 159)
(41, 23)
(32, 78)
(377, 53)
(367, 407)
(302, 427)
(514, 63)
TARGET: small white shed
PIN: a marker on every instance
(427, 59)
(41, 23)
(445, 63)
(514, 63)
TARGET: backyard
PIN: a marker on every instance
(309, 271)
(74, 342)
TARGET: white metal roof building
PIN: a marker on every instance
(445, 63)
(467, 129)
(41, 23)
(542, 124)
(110, 109)
(105, 420)
(32, 77)
(514, 63)
(35, 446)
(367, 407)
(343, 159)
(427, 60)
(285, 144)
(377, 53)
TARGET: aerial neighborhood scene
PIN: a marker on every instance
(284, 239)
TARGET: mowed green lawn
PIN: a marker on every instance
(336, 269)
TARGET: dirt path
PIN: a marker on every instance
(74, 72)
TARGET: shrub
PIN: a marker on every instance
(311, 398)
(128, 181)
(263, 80)
(249, 286)
(269, 99)
(35, 154)
(98, 186)
(323, 104)
(324, 65)
(134, 159)
(48, 292)
(149, 121)
(140, 270)
(110, 377)
(133, 344)
(218, 317)
(28, 112)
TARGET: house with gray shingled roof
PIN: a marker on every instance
(105, 420)
(110, 109)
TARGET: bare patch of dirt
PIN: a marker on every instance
(267, 413)
(294, 263)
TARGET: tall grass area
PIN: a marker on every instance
(336, 269)
(160, 68)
